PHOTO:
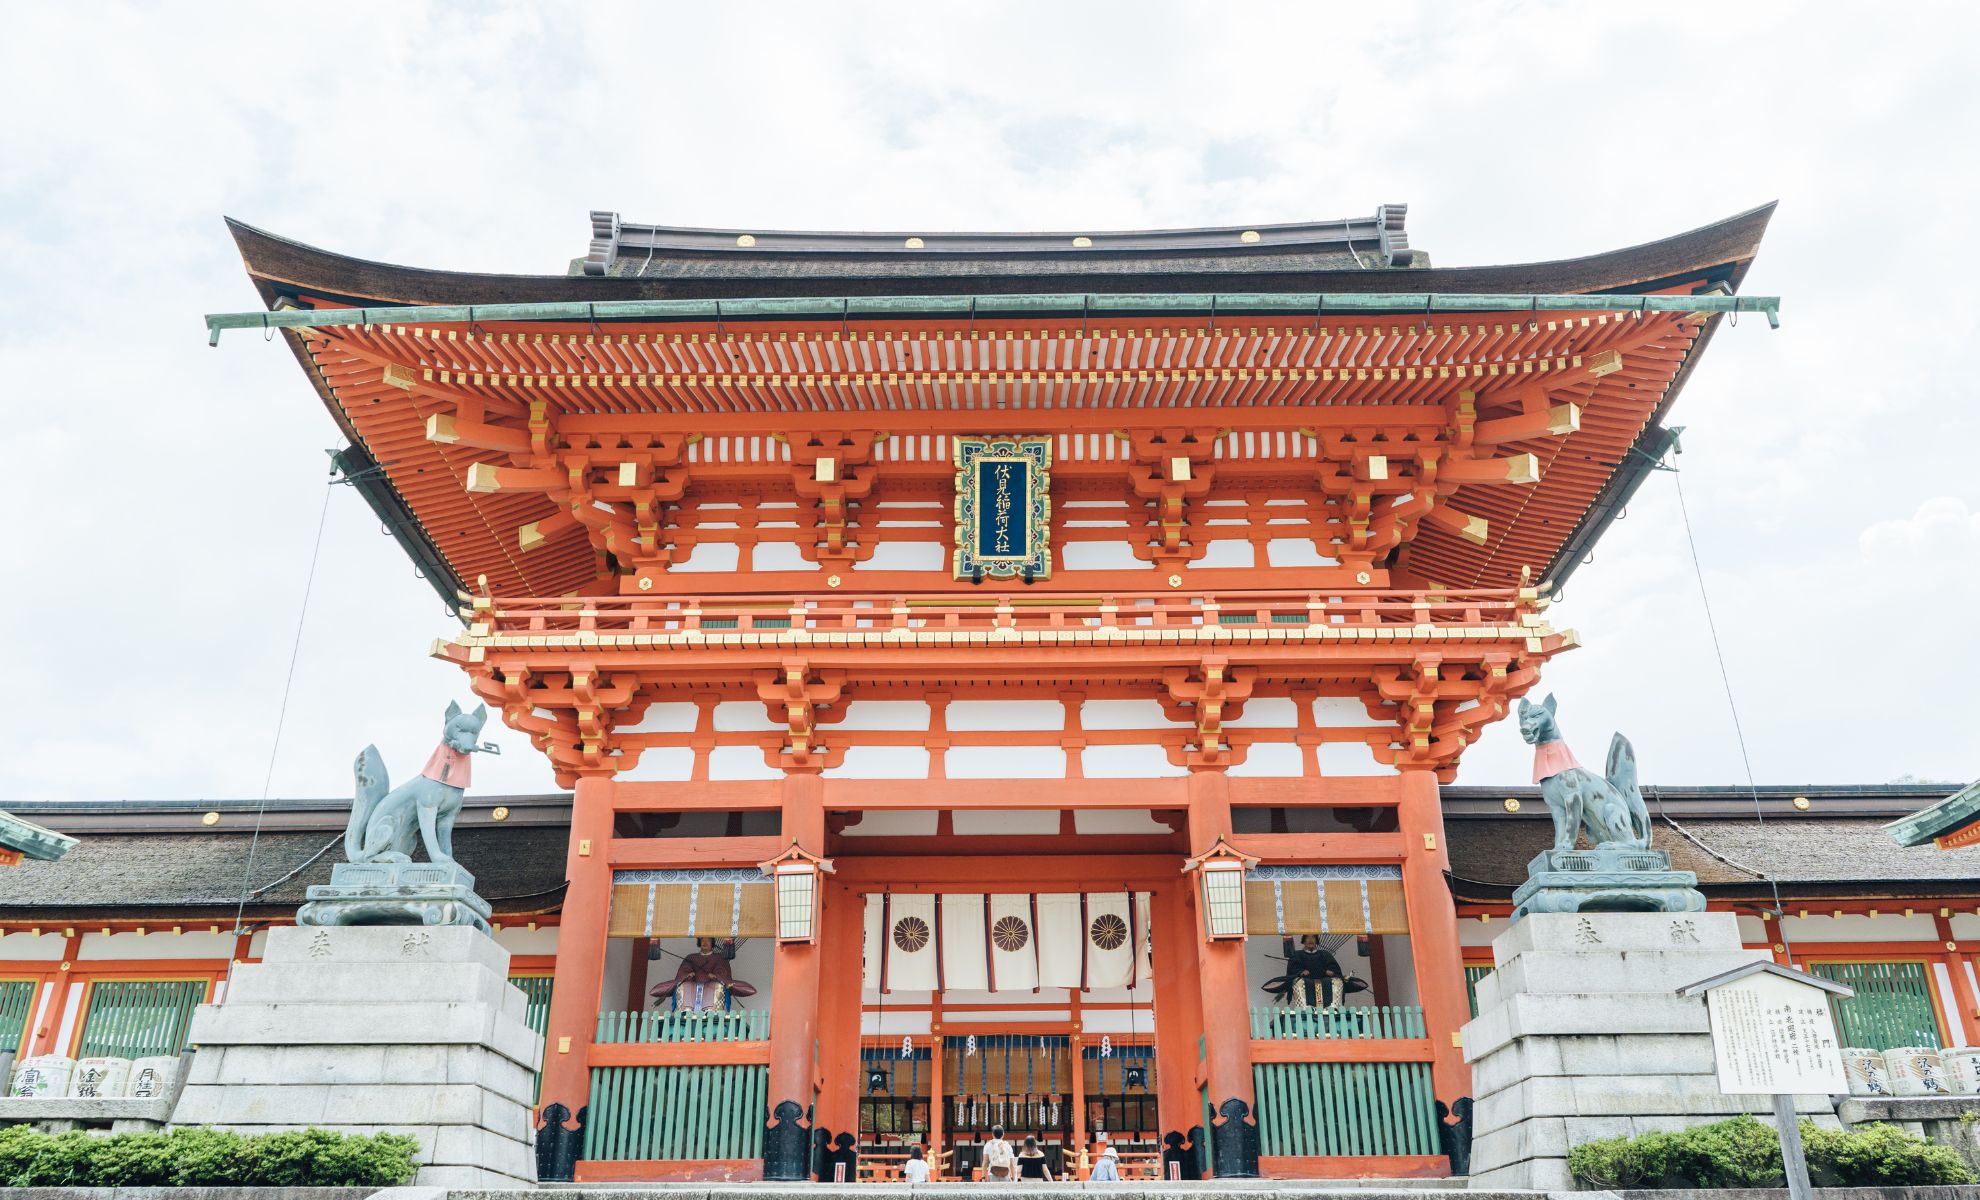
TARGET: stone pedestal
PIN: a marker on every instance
(1605, 880)
(1580, 1035)
(396, 893)
(376, 1029)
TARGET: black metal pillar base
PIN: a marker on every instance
(1235, 1142)
(1454, 1133)
(558, 1148)
(786, 1144)
(1184, 1153)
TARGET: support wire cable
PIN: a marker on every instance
(282, 712)
(1739, 732)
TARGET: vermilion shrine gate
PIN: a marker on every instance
(1010, 639)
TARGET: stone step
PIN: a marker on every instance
(1261, 1189)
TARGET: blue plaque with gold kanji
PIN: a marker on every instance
(1003, 507)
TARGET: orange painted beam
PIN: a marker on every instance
(1368, 791)
(672, 1170)
(694, 852)
(736, 794)
(1391, 1166)
(1105, 871)
(851, 795)
(1320, 1050)
(1321, 847)
(677, 1054)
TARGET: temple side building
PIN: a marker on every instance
(978, 662)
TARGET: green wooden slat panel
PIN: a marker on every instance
(1360, 1023)
(672, 1113)
(1894, 1004)
(16, 1004)
(1471, 977)
(134, 1019)
(1345, 1109)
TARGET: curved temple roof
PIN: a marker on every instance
(885, 286)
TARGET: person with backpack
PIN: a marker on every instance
(999, 1160)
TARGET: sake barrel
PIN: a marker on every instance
(42, 1076)
(1916, 1071)
(1865, 1069)
(100, 1078)
(152, 1077)
(1962, 1070)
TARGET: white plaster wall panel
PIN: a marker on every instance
(895, 1022)
(617, 974)
(1965, 927)
(1270, 759)
(1753, 929)
(26, 947)
(1100, 556)
(1016, 1016)
(1474, 932)
(1021, 822)
(543, 714)
(740, 762)
(911, 822)
(710, 556)
(1267, 712)
(1005, 762)
(661, 764)
(881, 762)
(258, 944)
(907, 556)
(1117, 821)
(1229, 552)
(521, 940)
(997, 715)
(1297, 552)
(1123, 714)
(665, 718)
(744, 716)
(155, 945)
(1343, 712)
(1043, 998)
(1127, 762)
(884, 714)
(1949, 1005)
(71, 1008)
(779, 556)
(1860, 927)
(1350, 758)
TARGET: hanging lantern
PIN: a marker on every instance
(797, 877)
(1220, 875)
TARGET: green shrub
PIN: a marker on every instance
(1744, 1152)
(200, 1157)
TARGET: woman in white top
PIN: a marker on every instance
(1106, 1169)
(915, 1169)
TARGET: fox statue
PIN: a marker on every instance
(1612, 809)
(387, 824)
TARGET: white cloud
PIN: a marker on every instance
(160, 497)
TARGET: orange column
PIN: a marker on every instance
(838, 1014)
(577, 994)
(1178, 1008)
(1226, 1001)
(45, 1030)
(794, 1006)
(1962, 986)
(1433, 931)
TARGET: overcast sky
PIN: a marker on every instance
(160, 498)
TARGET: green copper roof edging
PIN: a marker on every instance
(1947, 817)
(32, 840)
(1302, 304)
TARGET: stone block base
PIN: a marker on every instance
(373, 1030)
(1581, 1035)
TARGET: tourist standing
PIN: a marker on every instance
(999, 1161)
(915, 1169)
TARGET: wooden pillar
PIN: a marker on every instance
(53, 1001)
(794, 1006)
(575, 999)
(1968, 1032)
(1226, 1002)
(636, 978)
(1178, 1012)
(1433, 932)
(1075, 1144)
(839, 1064)
(936, 1107)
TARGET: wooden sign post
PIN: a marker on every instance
(1773, 1035)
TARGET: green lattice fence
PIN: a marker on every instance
(536, 989)
(1336, 1024)
(137, 1018)
(649, 1113)
(1893, 1005)
(16, 1005)
(741, 1025)
(1471, 977)
(1341, 1109)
